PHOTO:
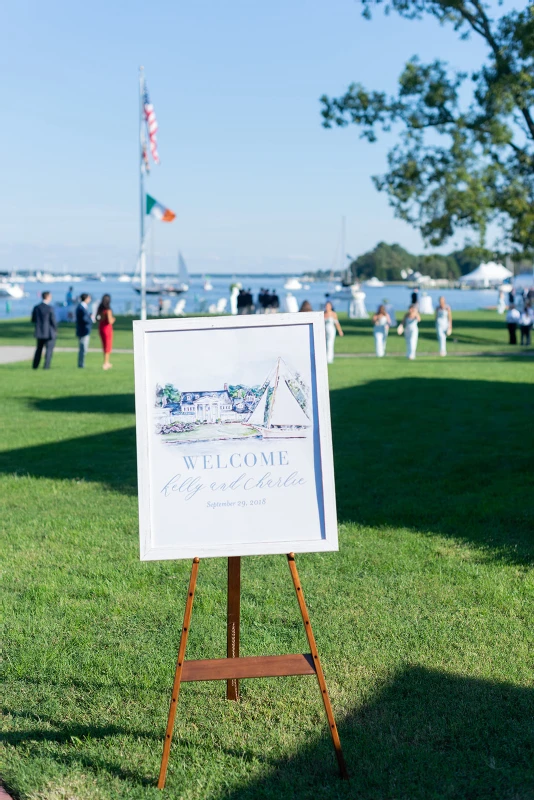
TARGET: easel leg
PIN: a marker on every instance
(318, 668)
(232, 632)
(178, 674)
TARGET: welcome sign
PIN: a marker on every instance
(233, 436)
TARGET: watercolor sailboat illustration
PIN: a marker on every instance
(278, 413)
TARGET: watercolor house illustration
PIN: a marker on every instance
(208, 407)
(277, 408)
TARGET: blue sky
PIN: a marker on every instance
(256, 182)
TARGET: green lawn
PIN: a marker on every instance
(424, 619)
(473, 331)
(20, 332)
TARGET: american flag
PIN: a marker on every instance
(152, 125)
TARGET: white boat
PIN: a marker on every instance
(124, 278)
(278, 414)
(46, 277)
(11, 290)
(156, 286)
(374, 282)
(207, 285)
(292, 284)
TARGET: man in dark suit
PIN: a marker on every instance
(44, 319)
(84, 323)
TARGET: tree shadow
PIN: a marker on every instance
(65, 732)
(438, 455)
(106, 458)
(74, 738)
(426, 735)
(87, 404)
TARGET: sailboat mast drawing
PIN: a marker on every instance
(278, 413)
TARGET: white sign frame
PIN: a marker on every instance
(323, 458)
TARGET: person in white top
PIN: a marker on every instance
(525, 323)
(443, 325)
(411, 330)
(332, 325)
(381, 323)
(512, 320)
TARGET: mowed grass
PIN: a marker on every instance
(473, 332)
(424, 619)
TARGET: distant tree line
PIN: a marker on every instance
(388, 261)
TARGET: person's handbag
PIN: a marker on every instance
(400, 329)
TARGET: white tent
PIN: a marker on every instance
(489, 274)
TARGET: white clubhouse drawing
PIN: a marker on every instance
(276, 409)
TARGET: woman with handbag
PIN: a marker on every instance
(381, 325)
(410, 326)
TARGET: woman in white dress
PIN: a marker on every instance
(443, 325)
(332, 325)
(381, 323)
(411, 330)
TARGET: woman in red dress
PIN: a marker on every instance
(106, 319)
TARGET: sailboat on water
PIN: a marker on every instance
(159, 287)
(278, 414)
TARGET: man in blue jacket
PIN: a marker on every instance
(44, 319)
(84, 323)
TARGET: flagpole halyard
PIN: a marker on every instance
(142, 253)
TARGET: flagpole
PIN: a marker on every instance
(142, 252)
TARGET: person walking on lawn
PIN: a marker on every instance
(443, 325)
(44, 319)
(84, 323)
(106, 319)
(411, 331)
(381, 323)
(525, 323)
(512, 321)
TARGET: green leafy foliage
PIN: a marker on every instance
(387, 261)
(457, 165)
(172, 394)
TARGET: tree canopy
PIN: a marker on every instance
(458, 165)
(387, 261)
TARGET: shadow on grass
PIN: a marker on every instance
(74, 738)
(87, 404)
(438, 455)
(65, 732)
(425, 735)
(107, 458)
(434, 455)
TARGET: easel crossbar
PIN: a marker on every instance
(214, 669)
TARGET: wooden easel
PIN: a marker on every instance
(232, 668)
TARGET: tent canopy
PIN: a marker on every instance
(491, 272)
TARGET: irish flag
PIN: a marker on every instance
(158, 211)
